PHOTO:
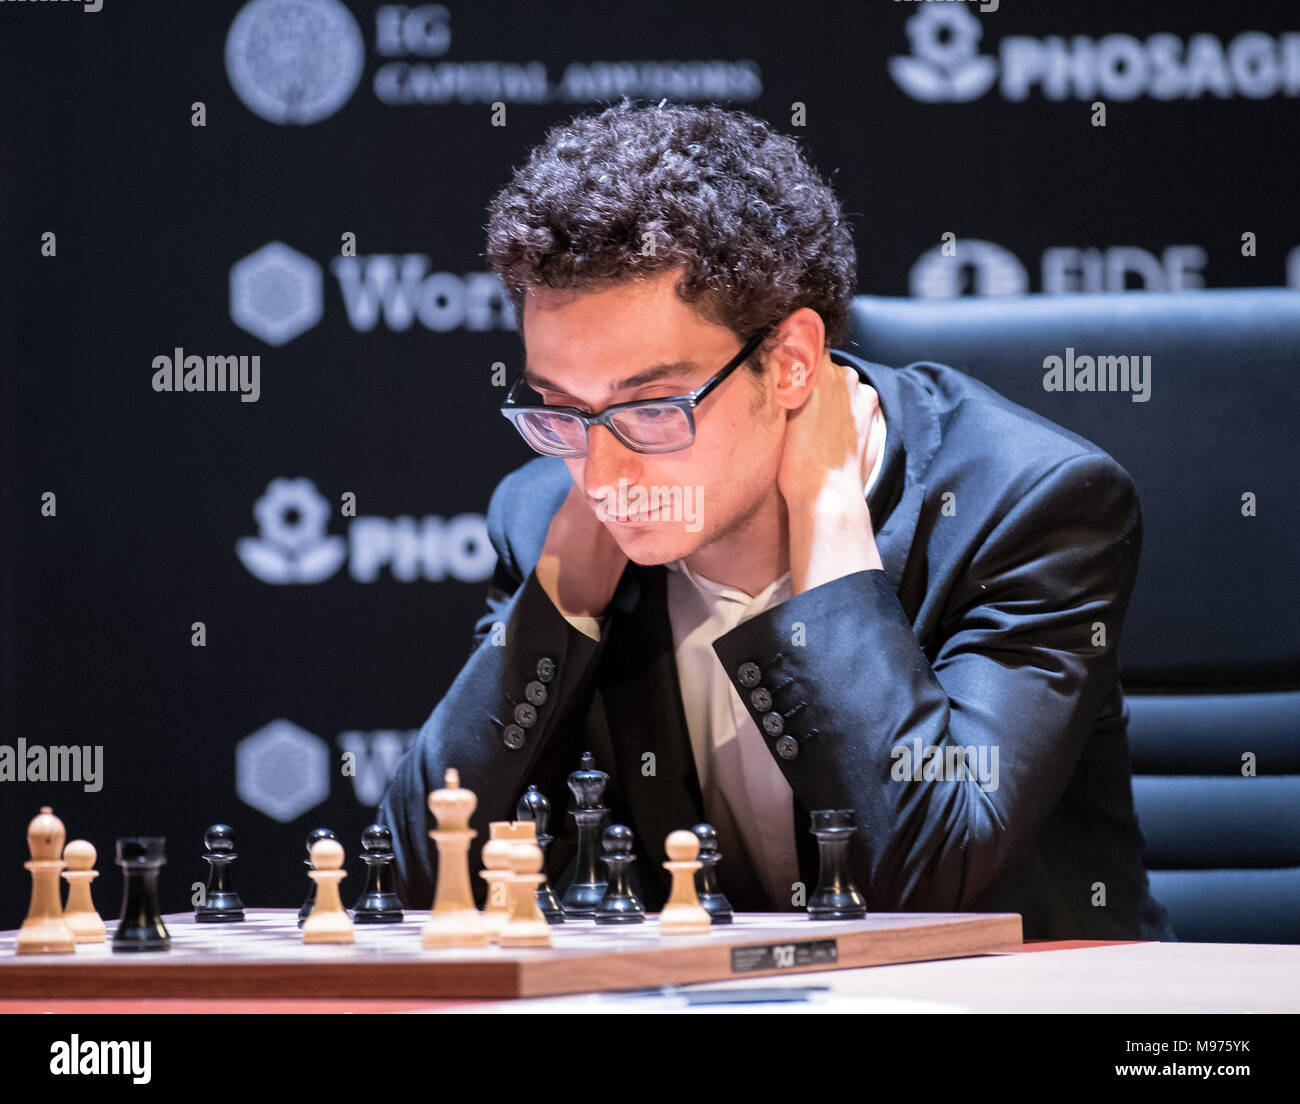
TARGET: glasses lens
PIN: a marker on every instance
(663, 428)
(553, 434)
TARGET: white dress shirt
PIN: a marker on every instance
(746, 797)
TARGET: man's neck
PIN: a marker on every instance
(751, 555)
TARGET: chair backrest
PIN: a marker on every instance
(1207, 427)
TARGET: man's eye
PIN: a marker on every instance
(564, 402)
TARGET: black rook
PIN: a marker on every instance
(836, 898)
(141, 926)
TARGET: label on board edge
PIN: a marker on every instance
(783, 956)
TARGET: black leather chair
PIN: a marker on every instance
(1211, 650)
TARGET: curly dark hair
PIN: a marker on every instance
(757, 230)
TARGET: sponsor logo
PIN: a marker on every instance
(975, 268)
(282, 770)
(293, 546)
(946, 67)
(294, 62)
(399, 290)
(980, 268)
(276, 293)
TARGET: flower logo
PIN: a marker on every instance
(293, 546)
(945, 66)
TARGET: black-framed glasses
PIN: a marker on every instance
(646, 425)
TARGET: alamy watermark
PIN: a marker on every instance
(102, 1057)
(669, 503)
(947, 763)
(26, 762)
(1101, 373)
(217, 373)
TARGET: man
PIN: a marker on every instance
(806, 582)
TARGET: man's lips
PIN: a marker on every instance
(623, 519)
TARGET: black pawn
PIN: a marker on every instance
(317, 834)
(221, 904)
(619, 905)
(588, 885)
(534, 806)
(141, 926)
(706, 878)
(378, 903)
(836, 898)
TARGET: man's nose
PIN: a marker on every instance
(608, 460)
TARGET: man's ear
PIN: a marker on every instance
(796, 376)
(797, 358)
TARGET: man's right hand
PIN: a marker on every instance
(581, 563)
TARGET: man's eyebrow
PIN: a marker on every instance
(640, 379)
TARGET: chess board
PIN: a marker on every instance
(265, 957)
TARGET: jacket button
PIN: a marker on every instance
(513, 737)
(773, 724)
(762, 699)
(525, 714)
(787, 747)
(535, 692)
(545, 669)
(748, 674)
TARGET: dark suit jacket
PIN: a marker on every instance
(1010, 547)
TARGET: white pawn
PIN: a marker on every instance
(683, 914)
(498, 873)
(329, 921)
(79, 912)
(527, 926)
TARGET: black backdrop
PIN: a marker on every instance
(376, 371)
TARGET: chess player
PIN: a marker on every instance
(757, 575)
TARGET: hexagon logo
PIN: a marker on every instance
(276, 293)
(282, 770)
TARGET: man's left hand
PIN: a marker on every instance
(827, 440)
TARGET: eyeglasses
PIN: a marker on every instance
(647, 425)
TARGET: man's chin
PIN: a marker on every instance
(649, 547)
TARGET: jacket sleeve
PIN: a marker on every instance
(1025, 655)
(526, 668)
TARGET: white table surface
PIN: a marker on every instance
(1135, 977)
